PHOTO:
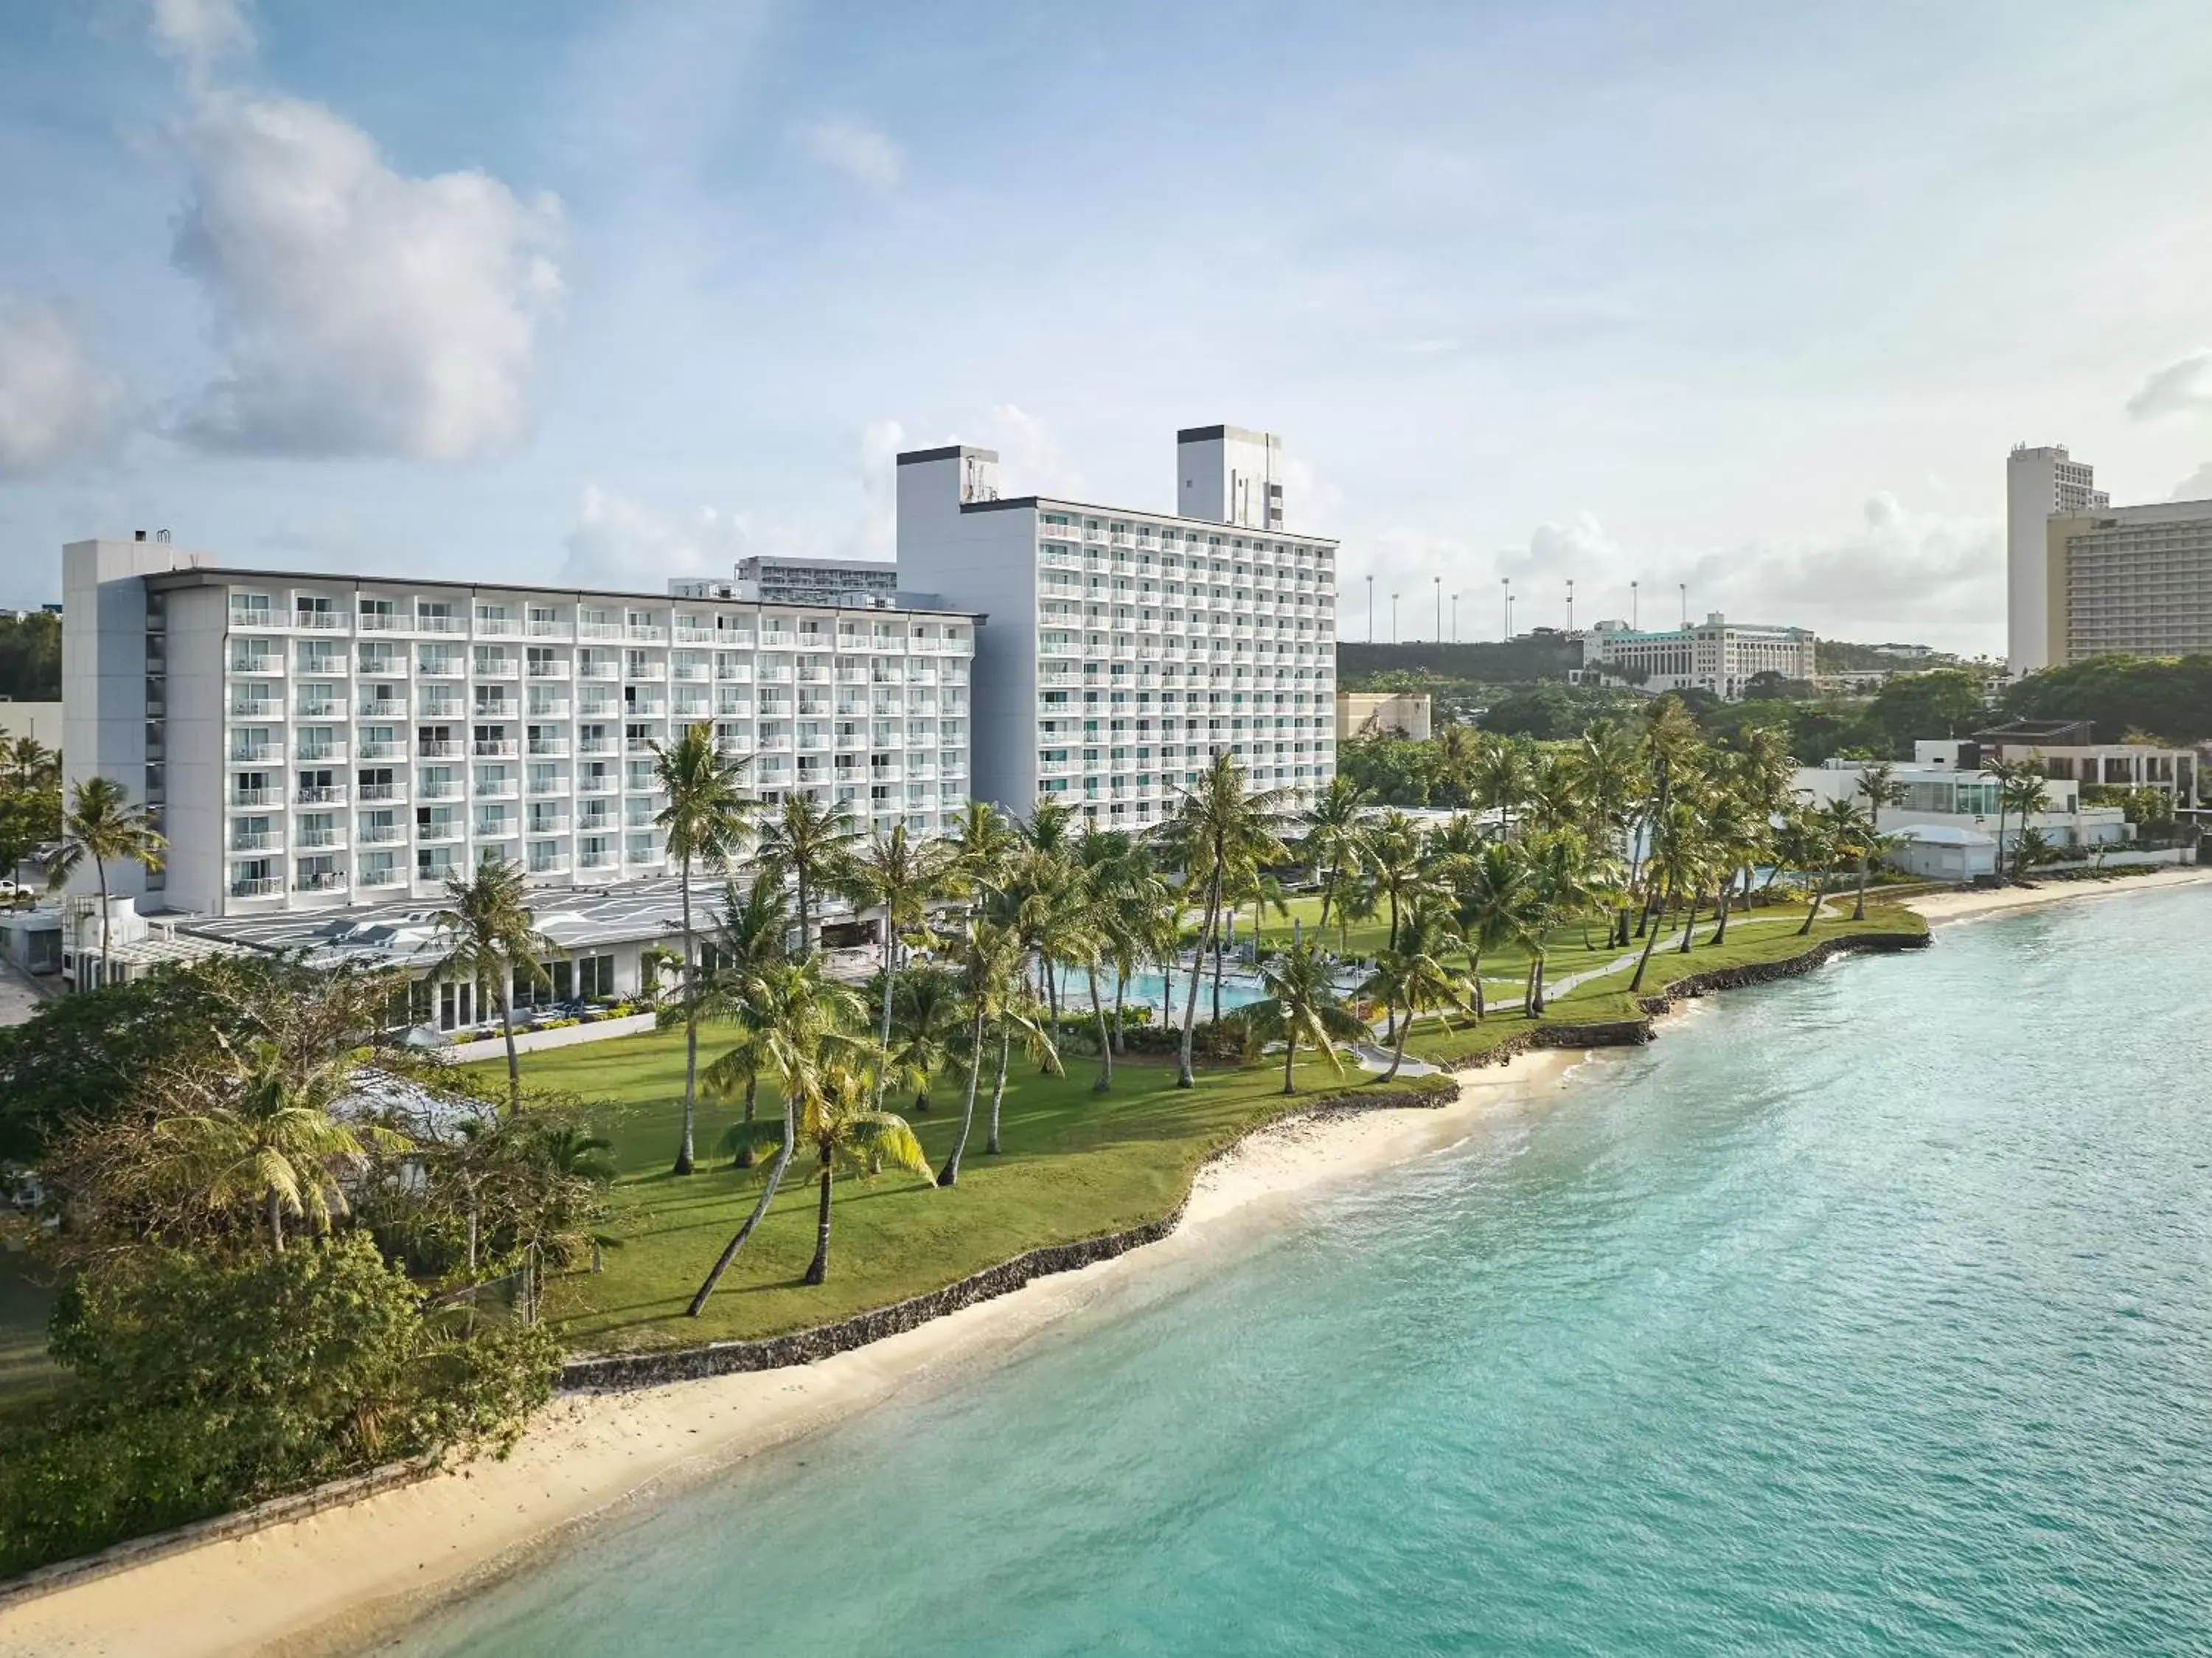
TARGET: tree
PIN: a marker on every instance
(490, 938)
(1219, 828)
(928, 1018)
(1412, 977)
(1945, 702)
(1495, 903)
(750, 936)
(1301, 1005)
(101, 824)
(1335, 840)
(2022, 788)
(900, 877)
(1563, 880)
(848, 1133)
(256, 1131)
(811, 841)
(706, 821)
(803, 1024)
(1832, 835)
(1880, 787)
(991, 955)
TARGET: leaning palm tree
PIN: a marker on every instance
(491, 941)
(1878, 784)
(811, 841)
(1412, 977)
(1301, 1005)
(101, 824)
(992, 981)
(1833, 831)
(706, 821)
(2026, 792)
(802, 1023)
(1494, 903)
(899, 876)
(846, 1132)
(255, 1130)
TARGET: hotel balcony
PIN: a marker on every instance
(257, 887)
(329, 795)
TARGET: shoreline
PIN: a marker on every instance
(347, 1578)
(343, 1580)
(1939, 907)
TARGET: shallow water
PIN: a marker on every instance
(1866, 1313)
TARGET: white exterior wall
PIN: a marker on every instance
(2038, 482)
(1716, 655)
(1114, 670)
(1226, 475)
(338, 740)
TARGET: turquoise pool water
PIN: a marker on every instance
(1868, 1313)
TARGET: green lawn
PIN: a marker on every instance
(1077, 1164)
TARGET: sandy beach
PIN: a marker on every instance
(332, 1582)
(1964, 905)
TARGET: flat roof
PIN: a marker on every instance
(1043, 501)
(404, 933)
(216, 575)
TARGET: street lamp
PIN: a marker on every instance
(1370, 610)
(1455, 618)
(1684, 588)
(1394, 619)
(1439, 581)
(1506, 583)
(1633, 621)
(1570, 604)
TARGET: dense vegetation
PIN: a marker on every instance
(30, 801)
(31, 657)
(2166, 699)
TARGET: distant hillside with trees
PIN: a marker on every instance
(1511, 662)
(31, 658)
(2166, 698)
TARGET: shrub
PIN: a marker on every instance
(204, 1383)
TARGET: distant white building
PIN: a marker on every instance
(2039, 483)
(1714, 655)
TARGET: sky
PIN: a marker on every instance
(1742, 303)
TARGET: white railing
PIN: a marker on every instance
(259, 887)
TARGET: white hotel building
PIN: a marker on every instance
(1127, 647)
(314, 742)
(1714, 655)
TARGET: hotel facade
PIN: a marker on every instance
(1714, 655)
(310, 742)
(1127, 647)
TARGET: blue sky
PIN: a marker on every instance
(1751, 298)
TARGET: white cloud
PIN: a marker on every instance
(876, 536)
(622, 545)
(55, 400)
(1901, 574)
(198, 33)
(2180, 387)
(858, 151)
(358, 310)
(2198, 486)
(1030, 459)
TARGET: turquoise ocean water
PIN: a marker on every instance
(1869, 1313)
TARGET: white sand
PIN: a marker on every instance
(1955, 906)
(332, 1581)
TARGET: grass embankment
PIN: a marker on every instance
(1076, 1165)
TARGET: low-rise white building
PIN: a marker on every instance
(311, 741)
(1945, 796)
(1714, 655)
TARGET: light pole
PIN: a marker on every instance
(1394, 619)
(1684, 588)
(1370, 610)
(1570, 604)
(1632, 623)
(1455, 618)
(1439, 581)
(1505, 584)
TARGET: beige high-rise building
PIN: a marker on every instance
(2134, 580)
(2038, 482)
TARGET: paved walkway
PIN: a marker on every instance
(18, 1000)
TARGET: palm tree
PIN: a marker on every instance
(1396, 840)
(1334, 841)
(1459, 755)
(490, 939)
(983, 848)
(750, 936)
(928, 1016)
(2025, 791)
(257, 1128)
(103, 825)
(1412, 975)
(1830, 834)
(1563, 880)
(706, 821)
(1301, 1005)
(802, 1023)
(847, 1132)
(900, 877)
(1501, 778)
(991, 976)
(1219, 828)
(1880, 785)
(1495, 904)
(1674, 869)
(811, 841)
(35, 765)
